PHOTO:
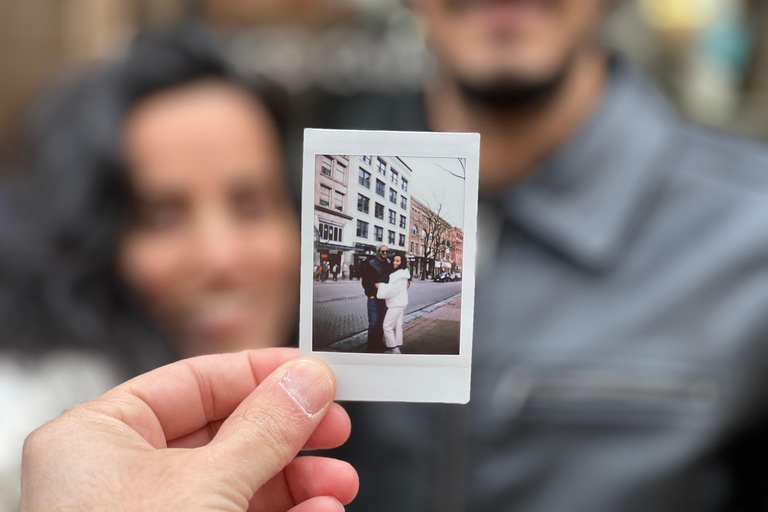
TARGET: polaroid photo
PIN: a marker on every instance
(388, 261)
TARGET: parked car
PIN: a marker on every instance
(452, 277)
(442, 277)
(457, 276)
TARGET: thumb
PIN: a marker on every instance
(274, 422)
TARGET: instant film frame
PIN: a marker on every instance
(391, 377)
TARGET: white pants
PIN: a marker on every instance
(393, 327)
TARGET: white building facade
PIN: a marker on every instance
(360, 202)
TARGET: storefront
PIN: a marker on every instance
(334, 254)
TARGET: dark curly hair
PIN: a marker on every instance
(58, 282)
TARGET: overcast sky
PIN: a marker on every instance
(435, 181)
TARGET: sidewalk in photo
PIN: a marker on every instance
(432, 330)
(434, 333)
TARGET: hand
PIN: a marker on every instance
(377, 285)
(409, 285)
(210, 433)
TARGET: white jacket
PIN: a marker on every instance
(396, 290)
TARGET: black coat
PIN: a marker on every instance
(375, 271)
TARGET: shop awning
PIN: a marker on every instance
(324, 246)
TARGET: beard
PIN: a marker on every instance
(513, 91)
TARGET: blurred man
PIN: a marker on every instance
(621, 330)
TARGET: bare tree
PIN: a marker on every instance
(435, 232)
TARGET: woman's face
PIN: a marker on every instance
(396, 261)
(213, 249)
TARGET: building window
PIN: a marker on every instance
(364, 178)
(392, 217)
(393, 176)
(393, 195)
(411, 247)
(325, 167)
(391, 237)
(382, 166)
(402, 241)
(362, 229)
(379, 210)
(380, 188)
(338, 201)
(423, 233)
(404, 184)
(325, 196)
(378, 233)
(330, 233)
(339, 172)
(402, 221)
(403, 202)
(368, 159)
(362, 203)
(414, 230)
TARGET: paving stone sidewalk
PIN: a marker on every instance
(434, 333)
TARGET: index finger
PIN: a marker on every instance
(183, 397)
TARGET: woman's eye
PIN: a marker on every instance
(249, 205)
(159, 216)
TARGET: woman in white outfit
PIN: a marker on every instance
(395, 292)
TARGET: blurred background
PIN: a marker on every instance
(711, 56)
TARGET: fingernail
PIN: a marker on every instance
(309, 384)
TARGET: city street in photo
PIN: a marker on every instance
(431, 318)
(388, 254)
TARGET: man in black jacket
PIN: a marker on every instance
(620, 361)
(376, 271)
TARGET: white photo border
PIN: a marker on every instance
(389, 377)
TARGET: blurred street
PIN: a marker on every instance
(339, 311)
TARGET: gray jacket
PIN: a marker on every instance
(621, 336)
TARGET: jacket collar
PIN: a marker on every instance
(585, 199)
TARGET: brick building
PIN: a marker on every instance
(456, 246)
(432, 242)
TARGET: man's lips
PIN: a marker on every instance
(502, 15)
(515, 4)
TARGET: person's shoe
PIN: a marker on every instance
(395, 350)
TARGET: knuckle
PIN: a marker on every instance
(38, 441)
(52, 437)
(33, 441)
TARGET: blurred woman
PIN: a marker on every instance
(395, 293)
(159, 225)
(161, 207)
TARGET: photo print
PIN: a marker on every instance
(388, 243)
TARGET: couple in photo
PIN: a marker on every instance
(386, 288)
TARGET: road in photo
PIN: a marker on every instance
(339, 308)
